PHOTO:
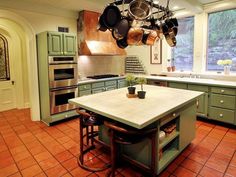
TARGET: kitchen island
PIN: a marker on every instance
(162, 107)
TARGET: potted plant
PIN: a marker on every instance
(130, 80)
(141, 81)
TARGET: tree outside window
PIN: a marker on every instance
(183, 52)
(221, 39)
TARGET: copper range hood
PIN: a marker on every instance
(92, 41)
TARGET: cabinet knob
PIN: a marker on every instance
(222, 91)
(221, 115)
(174, 114)
(221, 101)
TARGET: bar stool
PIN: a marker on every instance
(88, 120)
(122, 134)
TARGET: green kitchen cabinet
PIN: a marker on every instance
(222, 101)
(222, 115)
(177, 85)
(202, 101)
(61, 44)
(121, 83)
(84, 89)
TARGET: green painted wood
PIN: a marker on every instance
(98, 90)
(223, 90)
(177, 85)
(112, 87)
(223, 115)
(222, 101)
(202, 104)
(121, 83)
(84, 92)
(168, 139)
(55, 43)
(201, 88)
(110, 83)
(85, 87)
(69, 44)
(187, 125)
(98, 84)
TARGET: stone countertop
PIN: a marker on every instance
(136, 112)
(202, 81)
(88, 80)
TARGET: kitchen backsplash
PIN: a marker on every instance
(94, 65)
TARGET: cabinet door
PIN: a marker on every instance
(55, 43)
(187, 125)
(112, 87)
(178, 85)
(202, 104)
(69, 44)
(121, 83)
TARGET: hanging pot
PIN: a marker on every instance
(101, 25)
(150, 38)
(171, 40)
(111, 16)
(134, 36)
(174, 21)
(122, 43)
(121, 29)
(139, 9)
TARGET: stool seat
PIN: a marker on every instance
(88, 120)
(123, 134)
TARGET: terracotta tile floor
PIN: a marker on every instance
(32, 149)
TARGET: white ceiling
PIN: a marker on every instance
(194, 6)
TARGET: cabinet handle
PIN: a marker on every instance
(221, 101)
(221, 115)
(197, 103)
(222, 91)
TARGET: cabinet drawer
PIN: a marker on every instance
(121, 83)
(98, 90)
(108, 83)
(222, 90)
(223, 101)
(98, 84)
(84, 92)
(222, 115)
(201, 88)
(177, 85)
(84, 87)
(110, 88)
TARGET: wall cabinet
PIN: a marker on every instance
(61, 44)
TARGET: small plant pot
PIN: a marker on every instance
(131, 90)
(141, 94)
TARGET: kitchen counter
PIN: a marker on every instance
(211, 82)
(86, 81)
(136, 112)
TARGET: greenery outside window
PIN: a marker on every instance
(183, 52)
(221, 39)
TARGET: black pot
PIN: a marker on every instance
(141, 94)
(131, 90)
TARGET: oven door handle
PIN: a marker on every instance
(64, 88)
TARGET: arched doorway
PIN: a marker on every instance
(20, 32)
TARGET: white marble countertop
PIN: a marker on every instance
(136, 112)
(212, 82)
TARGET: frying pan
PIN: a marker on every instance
(101, 26)
(121, 29)
(134, 36)
(111, 16)
(122, 43)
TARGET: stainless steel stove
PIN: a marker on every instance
(102, 76)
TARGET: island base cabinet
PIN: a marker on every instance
(187, 126)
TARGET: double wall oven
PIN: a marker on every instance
(62, 82)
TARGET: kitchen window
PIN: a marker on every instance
(221, 39)
(183, 52)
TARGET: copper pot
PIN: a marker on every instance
(135, 36)
(151, 37)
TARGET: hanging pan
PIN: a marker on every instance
(111, 16)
